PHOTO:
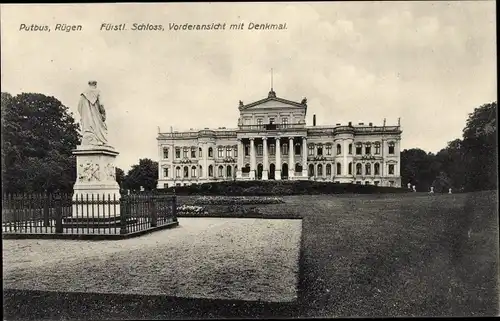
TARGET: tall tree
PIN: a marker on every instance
(38, 134)
(480, 149)
(144, 174)
(120, 176)
(418, 168)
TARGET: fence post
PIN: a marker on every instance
(154, 216)
(58, 209)
(124, 211)
(46, 210)
(174, 208)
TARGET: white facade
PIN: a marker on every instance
(272, 141)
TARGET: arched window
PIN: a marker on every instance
(221, 171)
(200, 153)
(186, 171)
(193, 171)
(350, 168)
(350, 149)
(193, 152)
(210, 152)
(229, 150)
(377, 168)
(368, 169)
(178, 172)
(328, 169)
(298, 168)
(200, 171)
(220, 152)
(210, 171)
(320, 170)
(311, 170)
(229, 171)
(377, 148)
(339, 149)
(368, 148)
(339, 169)
(358, 169)
(391, 147)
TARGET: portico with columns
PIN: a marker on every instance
(273, 142)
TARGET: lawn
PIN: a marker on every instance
(407, 254)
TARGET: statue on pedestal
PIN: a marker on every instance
(92, 117)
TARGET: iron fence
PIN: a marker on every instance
(95, 214)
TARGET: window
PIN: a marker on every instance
(367, 182)
(358, 169)
(297, 149)
(228, 151)
(178, 172)
(377, 168)
(210, 171)
(177, 152)
(200, 152)
(186, 171)
(320, 170)
(247, 150)
(328, 150)
(228, 171)
(358, 150)
(391, 169)
(339, 149)
(210, 152)
(193, 171)
(350, 169)
(272, 149)
(311, 170)
(328, 169)
(376, 183)
(260, 149)
(350, 149)
(236, 152)
(220, 152)
(311, 150)
(298, 168)
(185, 152)
(271, 121)
(221, 171)
(200, 171)
(193, 152)
(284, 122)
(284, 148)
(377, 149)
(165, 152)
(320, 151)
(165, 172)
(259, 122)
(368, 169)
(368, 150)
(339, 169)
(391, 148)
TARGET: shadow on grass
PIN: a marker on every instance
(89, 306)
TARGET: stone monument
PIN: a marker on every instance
(432, 190)
(95, 164)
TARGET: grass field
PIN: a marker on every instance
(362, 255)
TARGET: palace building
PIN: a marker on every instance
(273, 142)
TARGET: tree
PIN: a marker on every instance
(452, 163)
(120, 176)
(38, 136)
(418, 168)
(144, 174)
(480, 153)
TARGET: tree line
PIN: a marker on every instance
(39, 133)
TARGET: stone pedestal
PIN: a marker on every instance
(277, 174)
(265, 175)
(96, 198)
(238, 173)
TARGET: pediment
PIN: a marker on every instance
(273, 103)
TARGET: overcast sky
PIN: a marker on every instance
(430, 63)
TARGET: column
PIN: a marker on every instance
(345, 150)
(240, 158)
(277, 172)
(265, 169)
(291, 161)
(252, 158)
(304, 157)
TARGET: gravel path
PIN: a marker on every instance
(215, 258)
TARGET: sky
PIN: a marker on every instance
(428, 63)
